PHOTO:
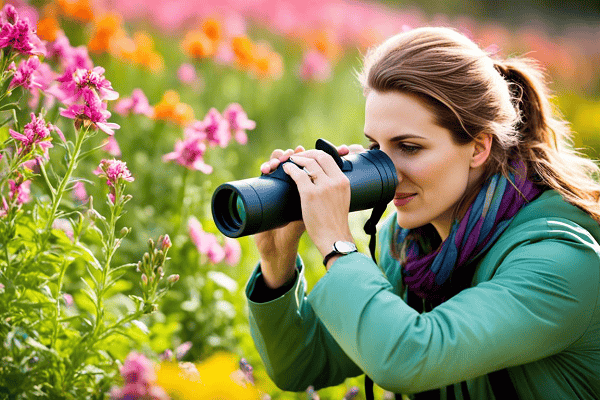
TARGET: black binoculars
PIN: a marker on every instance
(253, 205)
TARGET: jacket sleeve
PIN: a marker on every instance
(295, 347)
(539, 301)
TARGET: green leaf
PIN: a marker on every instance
(141, 326)
(10, 106)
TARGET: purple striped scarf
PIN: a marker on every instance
(428, 273)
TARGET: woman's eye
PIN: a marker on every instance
(408, 149)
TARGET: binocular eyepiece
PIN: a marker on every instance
(253, 205)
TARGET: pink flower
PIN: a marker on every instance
(79, 192)
(190, 153)
(89, 82)
(35, 134)
(64, 225)
(68, 299)
(233, 251)
(238, 122)
(93, 111)
(25, 75)
(186, 73)
(195, 130)
(205, 242)
(138, 369)
(314, 66)
(136, 104)
(182, 350)
(112, 147)
(114, 171)
(216, 128)
(70, 58)
(18, 34)
(20, 191)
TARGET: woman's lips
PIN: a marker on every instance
(402, 199)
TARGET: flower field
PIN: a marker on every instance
(118, 119)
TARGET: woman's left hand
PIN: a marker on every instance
(324, 197)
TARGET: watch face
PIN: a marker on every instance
(344, 247)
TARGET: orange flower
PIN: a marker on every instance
(48, 28)
(144, 53)
(212, 28)
(197, 44)
(171, 109)
(243, 48)
(325, 42)
(80, 10)
(267, 63)
(105, 28)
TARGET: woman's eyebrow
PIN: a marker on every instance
(398, 138)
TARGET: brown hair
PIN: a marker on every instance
(470, 93)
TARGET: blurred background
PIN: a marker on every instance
(290, 64)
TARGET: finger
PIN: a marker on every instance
(357, 148)
(297, 174)
(286, 154)
(343, 150)
(324, 161)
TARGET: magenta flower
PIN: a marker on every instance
(233, 251)
(216, 128)
(195, 130)
(25, 75)
(92, 112)
(70, 58)
(136, 104)
(79, 192)
(138, 369)
(190, 153)
(112, 147)
(115, 172)
(87, 83)
(18, 34)
(238, 122)
(68, 299)
(314, 66)
(20, 191)
(35, 134)
(205, 242)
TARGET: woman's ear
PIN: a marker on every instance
(481, 150)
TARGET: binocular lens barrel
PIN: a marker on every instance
(253, 205)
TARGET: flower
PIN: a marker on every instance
(182, 350)
(190, 153)
(186, 73)
(112, 147)
(215, 378)
(138, 369)
(35, 134)
(25, 75)
(314, 66)
(171, 109)
(17, 33)
(197, 44)
(216, 128)
(233, 251)
(136, 104)
(20, 191)
(238, 122)
(92, 112)
(115, 172)
(205, 242)
(79, 192)
(48, 29)
(105, 28)
(89, 82)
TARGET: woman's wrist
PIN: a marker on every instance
(277, 273)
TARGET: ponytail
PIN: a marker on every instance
(545, 139)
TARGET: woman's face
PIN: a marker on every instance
(433, 171)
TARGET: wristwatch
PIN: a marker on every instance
(342, 248)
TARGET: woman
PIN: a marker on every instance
(489, 270)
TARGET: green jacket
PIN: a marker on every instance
(533, 308)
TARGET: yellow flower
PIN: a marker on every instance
(217, 378)
(171, 109)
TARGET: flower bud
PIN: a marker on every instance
(160, 272)
(173, 278)
(166, 243)
(151, 245)
(139, 267)
(146, 258)
(144, 279)
(124, 231)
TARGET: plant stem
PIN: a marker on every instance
(181, 198)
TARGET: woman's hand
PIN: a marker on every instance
(324, 196)
(278, 247)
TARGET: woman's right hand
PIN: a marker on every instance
(278, 247)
